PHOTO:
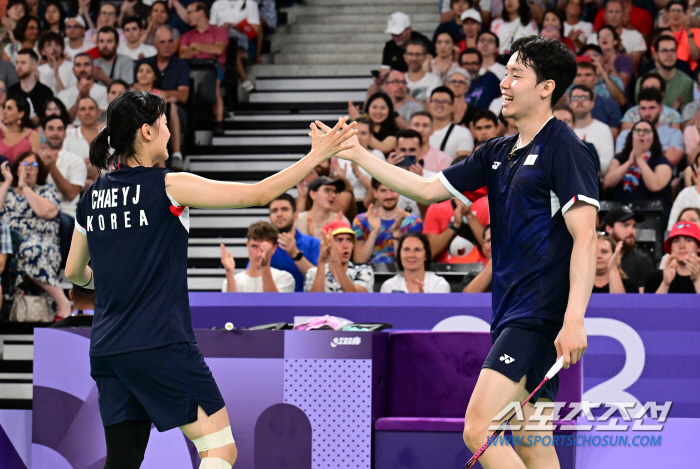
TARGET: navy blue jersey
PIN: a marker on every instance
(528, 195)
(137, 237)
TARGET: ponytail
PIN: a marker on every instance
(99, 150)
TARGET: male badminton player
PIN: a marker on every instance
(133, 224)
(542, 189)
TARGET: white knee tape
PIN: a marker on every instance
(214, 440)
(214, 463)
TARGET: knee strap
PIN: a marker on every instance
(214, 440)
(214, 463)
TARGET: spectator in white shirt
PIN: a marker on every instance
(487, 43)
(420, 82)
(132, 47)
(67, 171)
(83, 70)
(632, 40)
(689, 198)
(454, 140)
(589, 129)
(75, 42)
(259, 276)
(413, 263)
(57, 72)
(574, 28)
(516, 23)
(78, 138)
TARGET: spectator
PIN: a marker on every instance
(206, 41)
(413, 263)
(395, 86)
(335, 272)
(107, 18)
(157, 18)
(8, 74)
(116, 88)
(609, 277)
(26, 34)
(687, 38)
(399, 26)
(454, 24)
(679, 86)
(18, 137)
(632, 40)
(487, 43)
(566, 115)
(85, 87)
(483, 281)
(669, 117)
(78, 138)
(639, 18)
(54, 17)
(377, 229)
(132, 46)
(66, 171)
(485, 86)
(432, 159)
(15, 10)
(605, 109)
(322, 193)
(650, 111)
(608, 85)
(110, 65)
(57, 72)
(589, 129)
(84, 8)
(75, 42)
(682, 271)
(444, 61)
(454, 140)
(420, 83)
(296, 252)
(53, 107)
(614, 63)
(235, 14)
(30, 206)
(553, 28)
(471, 25)
(688, 197)
(458, 80)
(28, 86)
(380, 112)
(359, 179)
(259, 276)
(621, 225)
(574, 28)
(484, 127)
(515, 23)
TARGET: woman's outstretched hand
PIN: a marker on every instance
(347, 153)
(331, 142)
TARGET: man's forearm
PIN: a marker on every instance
(231, 282)
(268, 282)
(67, 189)
(319, 285)
(582, 277)
(341, 275)
(439, 242)
(364, 249)
(481, 282)
(303, 265)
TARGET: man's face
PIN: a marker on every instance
(114, 91)
(471, 63)
(132, 32)
(471, 27)
(194, 16)
(363, 134)
(487, 45)
(324, 196)
(564, 116)
(407, 146)
(586, 77)
(414, 57)
(164, 43)
(484, 129)
(282, 215)
(613, 14)
(255, 249)
(74, 30)
(87, 112)
(441, 105)
(82, 67)
(459, 7)
(683, 246)
(573, 8)
(55, 133)
(386, 198)
(343, 246)
(625, 231)
(649, 111)
(108, 15)
(395, 85)
(423, 125)
(666, 55)
(24, 65)
(521, 92)
(158, 14)
(106, 45)
(676, 16)
(401, 39)
(581, 104)
(51, 49)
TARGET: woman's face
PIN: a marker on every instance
(115, 91)
(52, 15)
(604, 255)
(107, 16)
(378, 111)
(16, 12)
(512, 7)
(31, 169)
(691, 216)
(160, 142)
(158, 14)
(643, 135)
(32, 31)
(52, 109)
(145, 75)
(413, 255)
(11, 114)
(606, 40)
(550, 19)
(444, 46)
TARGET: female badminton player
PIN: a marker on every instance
(542, 188)
(132, 224)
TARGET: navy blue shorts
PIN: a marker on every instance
(525, 347)
(164, 385)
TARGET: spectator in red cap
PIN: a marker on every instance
(341, 275)
(682, 271)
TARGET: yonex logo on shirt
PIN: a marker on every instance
(508, 359)
(495, 165)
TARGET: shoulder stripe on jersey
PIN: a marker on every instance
(582, 198)
(80, 229)
(452, 190)
(182, 213)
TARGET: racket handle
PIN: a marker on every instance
(555, 368)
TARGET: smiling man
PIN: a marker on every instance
(543, 191)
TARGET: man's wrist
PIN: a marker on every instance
(454, 227)
(298, 256)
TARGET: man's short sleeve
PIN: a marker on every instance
(620, 142)
(466, 180)
(676, 140)
(186, 39)
(631, 115)
(309, 278)
(411, 223)
(434, 223)
(570, 172)
(221, 35)
(364, 277)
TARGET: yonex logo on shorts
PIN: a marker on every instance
(345, 341)
(508, 359)
(495, 165)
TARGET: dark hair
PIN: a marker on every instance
(484, 114)
(388, 127)
(649, 94)
(656, 76)
(688, 209)
(263, 231)
(108, 29)
(588, 65)
(125, 116)
(566, 108)
(452, 2)
(375, 183)
(587, 47)
(487, 227)
(417, 42)
(470, 50)
(118, 82)
(22, 24)
(160, 2)
(132, 19)
(549, 59)
(663, 38)
(12, 3)
(46, 119)
(364, 120)
(656, 149)
(491, 33)
(409, 133)
(524, 13)
(22, 106)
(201, 6)
(50, 36)
(616, 36)
(30, 52)
(42, 174)
(84, 54)
(61, 15)
(560, 15)
(426, 246)
(59, 104)
(287, 198)
(74, 6)
(422, 113)
(443, 89)
(156, 72)
(583, 88)
(682, 3)
(449, 33)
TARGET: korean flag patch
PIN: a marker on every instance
(530, 160)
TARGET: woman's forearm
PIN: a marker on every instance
(42, 207)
